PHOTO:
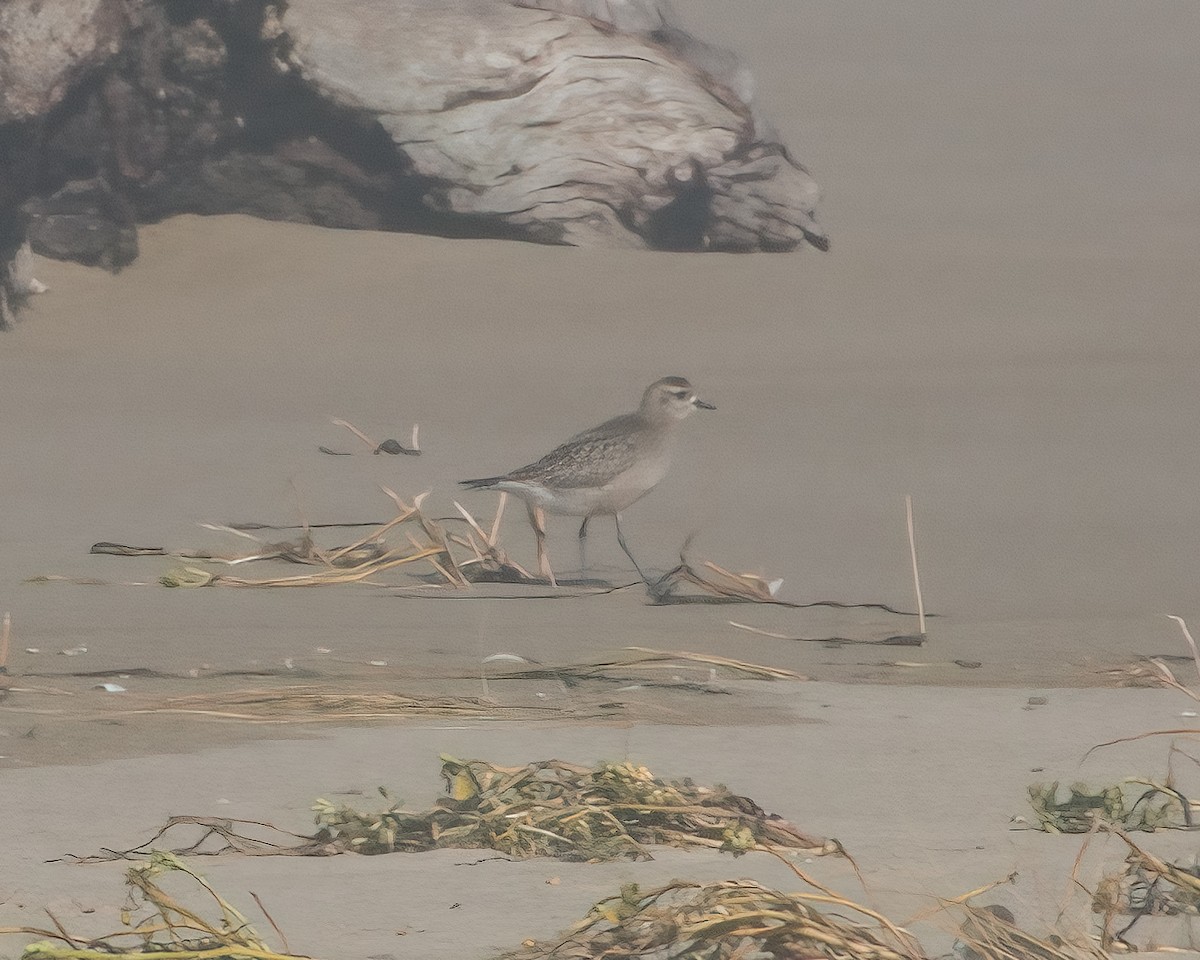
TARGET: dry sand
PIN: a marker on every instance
(1005, 329)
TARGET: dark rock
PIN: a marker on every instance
(85, 222)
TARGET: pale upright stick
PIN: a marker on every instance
(496, 523)
(912, 549)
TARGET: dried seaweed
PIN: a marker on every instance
(720, 921)
(301, 550)
(617, 669)
(168, 927)
(311, 704)
(1146, 885)
(1132, 804)
(550, 808)
(991, 933)
(361, 560)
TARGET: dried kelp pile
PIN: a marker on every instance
(166, 927)
(1132, 804)
(991, 933)
(546, 809)
(1145, 886)
(721, 921)
(727, 920)
(551, 808)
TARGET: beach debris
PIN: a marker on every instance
(613, 811)
(301, 550)
(393, 447)
(894, 640)
(728, 919)
(916, 574)
(158, 923)
(991, 933)
(5, 641)
(109, 687)
(551, 808)
(489, 563)
(357, 562)
(73, 651)
(307, 704)
(1146, 885)
(1131, 804)
(618, 669)
(437, 552)
(106, 547)
(686, 583)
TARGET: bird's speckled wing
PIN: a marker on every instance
(589, 459)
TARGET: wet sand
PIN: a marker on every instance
(1005, 329)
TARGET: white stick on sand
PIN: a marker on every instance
(912, 549)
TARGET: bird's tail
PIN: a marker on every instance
(481, 484)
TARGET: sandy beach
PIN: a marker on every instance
(1004, 329)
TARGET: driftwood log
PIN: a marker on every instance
(588, 122)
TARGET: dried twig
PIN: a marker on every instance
(897, 640)
(912, 549)
(5, 635)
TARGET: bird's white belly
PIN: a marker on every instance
(612, 497)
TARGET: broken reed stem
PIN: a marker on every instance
(1182, 626)
(496, 523)
(5, 632)
(337, 422)
(271, 920)
(912, 549)
(905, 940)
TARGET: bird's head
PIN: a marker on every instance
(671, 398)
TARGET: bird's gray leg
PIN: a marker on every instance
(621, 541)
(583, 548)
(537, 519)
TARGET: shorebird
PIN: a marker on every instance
(602, 470)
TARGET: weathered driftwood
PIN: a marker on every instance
(557, 124)
(566, 121)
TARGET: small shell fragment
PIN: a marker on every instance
(109, 687)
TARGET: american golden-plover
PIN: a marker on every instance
(602, 470)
